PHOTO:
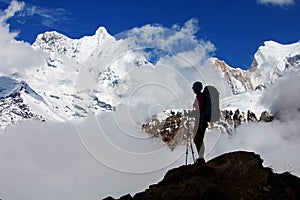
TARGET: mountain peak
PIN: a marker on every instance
(80, 49)
(270, 42)
(101, 30)
(271, 61)
(49, 37)
(54, 42)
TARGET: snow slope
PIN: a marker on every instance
(13, 107)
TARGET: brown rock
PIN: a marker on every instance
(236, 175)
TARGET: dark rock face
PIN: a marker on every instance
(236, 175)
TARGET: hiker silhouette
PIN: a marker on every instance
(205, 109)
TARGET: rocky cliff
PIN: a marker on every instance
(236, 175)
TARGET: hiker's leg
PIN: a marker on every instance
(201, 151)
(198, 140)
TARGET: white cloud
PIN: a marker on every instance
(190, 28)
(14, 7)
(277, 2)
(278, 141)
(22, 12)
(174, 41)
(283, 98)
(49, 17)
(182, 57)
(53, 161)
(16, 56)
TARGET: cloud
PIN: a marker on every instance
(14, 7)
(278, 140)
(16, 56)
(190, 27)
(176, 52)
(54, 18)
(65, 163)
(277, 2)
(175, 40)
(283, 102)
(49, 17)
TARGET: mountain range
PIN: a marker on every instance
(79, 78)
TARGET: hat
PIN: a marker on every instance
(197, 86)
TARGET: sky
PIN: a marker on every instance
(236, 28)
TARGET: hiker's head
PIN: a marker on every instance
(197, 87)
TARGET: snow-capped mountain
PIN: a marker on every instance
(74, 80)
(271, 61)
(237, 79)
(79, 49)
(82, 77)
(13, 107)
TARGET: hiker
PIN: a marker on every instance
(200, 121)
(206, 108)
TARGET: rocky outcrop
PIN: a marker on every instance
(237, 79)
(175, 127)
(236, 175)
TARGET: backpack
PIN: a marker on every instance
(211, 104)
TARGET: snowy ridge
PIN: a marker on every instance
(60, 89)
(13, 108)
(75, 80)
(11, 88)
(271, 61)
(56, 81)
(273, 54)
(237, 79)
(80, 49)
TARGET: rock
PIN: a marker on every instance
(173, 128)
(236, 175)
(266, 117)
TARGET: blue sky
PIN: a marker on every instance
(236, 27)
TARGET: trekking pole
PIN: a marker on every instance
(188, 142)
(190, 139)
(187, 151)
(192, 151)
